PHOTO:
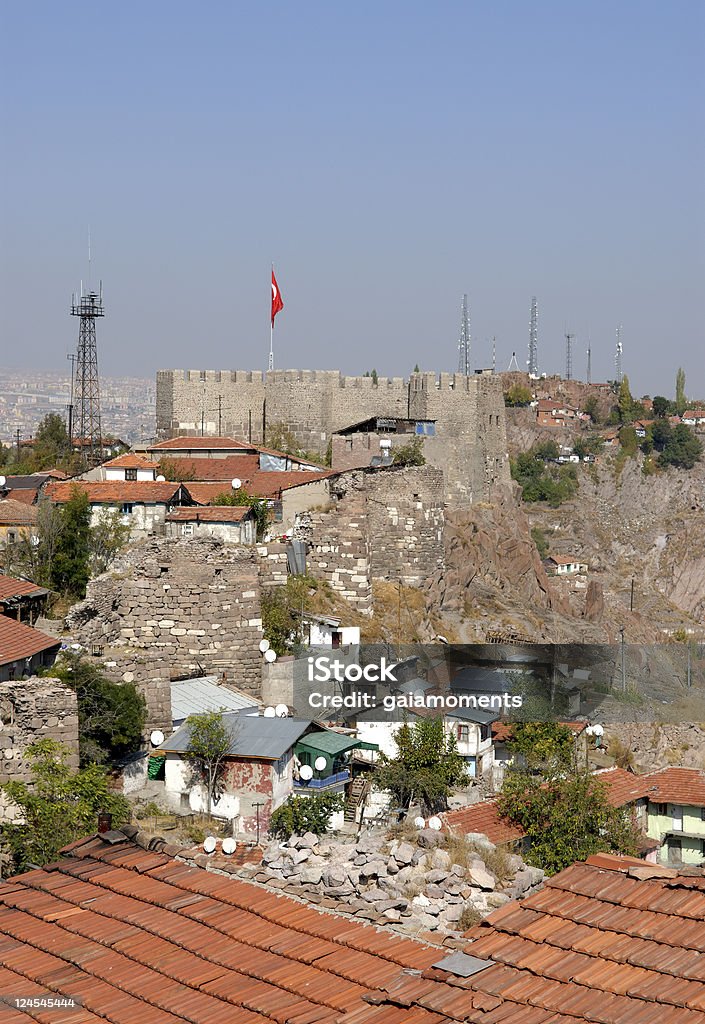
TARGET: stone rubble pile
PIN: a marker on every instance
(413, 885)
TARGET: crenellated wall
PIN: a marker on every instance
(470, 444)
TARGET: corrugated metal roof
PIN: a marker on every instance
(205, 693)
(251, 735)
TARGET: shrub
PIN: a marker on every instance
(305, 814)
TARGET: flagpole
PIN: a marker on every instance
(271, 338)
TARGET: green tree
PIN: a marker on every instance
(545, 450)
(410, 454)
(259, 507)
(661, 432)
(628, 408)
(681, 400)
(591, 408)
(282, 608)
(427, 768)
(176, 470)
(374, 376)
(682, 449)
(209, 743)
(628, 441)
(33, 553)
(51, 442)
(541, 744)
(111, 716)
(540, 540)
(304, 814)
(566, 817)
(541, 482)
(518, 395)
(107, 538)
(662, 406)
(70, 564)
(59, 806)
(416, 368)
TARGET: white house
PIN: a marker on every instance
(559, 565)
(234, 524)
(693, 417)
(129, 466)
(143, 505)
(326, 631)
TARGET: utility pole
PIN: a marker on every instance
(631, 597)
(624, 670)
(220, 415)
(17, 442)
(618, 356)
(533, 360)
(589, 364)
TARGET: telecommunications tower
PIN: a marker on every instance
(618, 356)
(533, 360)
(464, 343)
(569, 356)
(86, 435)
(589, 363)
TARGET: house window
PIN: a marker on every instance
(187, 529)
(485, 732)
(661, 809)
(463, 733)
(127, 508)
(702, 813)
(130, 474)
(11, 536)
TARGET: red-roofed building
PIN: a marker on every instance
(143, 505)
(129, 466)
(17, 520)
(693, 417)
(24, 650)
(21, 599)
(199, 448)
(234, 524)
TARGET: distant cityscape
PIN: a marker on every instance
(127, 404)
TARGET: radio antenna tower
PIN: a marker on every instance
(618, 356)
(464, 343)
(86, 434)
(513, 364)
(569, 356)
(533, 360)
(589, 363)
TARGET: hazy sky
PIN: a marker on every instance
(387, 156)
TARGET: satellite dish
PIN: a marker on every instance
(3, 481)
(282, 711)
(306, 772)
(236, 483)
(75, 647)
(598, 730)
(435, 823)
(161, 479)
(34, 540)
(156, 737)
(419, 823)
(209, 844)
(320, 763)
(229, 845)
(264, 645)
(269, 713)
(270, 656)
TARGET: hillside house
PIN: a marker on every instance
(142, 505)
(327, 631)
(22, 600)
(564, 565)
(675, 814)
(24, 650)
(371, 442)
(129, 466)
(693, 417)
(234, 524)
(17, 521)
(553, 413)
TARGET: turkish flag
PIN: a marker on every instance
(277, 302)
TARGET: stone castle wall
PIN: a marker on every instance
(470, 443)
(30, 710)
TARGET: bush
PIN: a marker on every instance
(410, 454)
(470, 917)
(539, 539)
(305, 814)
(518, 396)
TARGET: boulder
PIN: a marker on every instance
(334, 876)
(374, 895)
(436, 876)
(429, 837)
(440, 859)
(421, 901)
(299, 856)
(483, 878)
(404, 854)
(311, 876)
(308, 841)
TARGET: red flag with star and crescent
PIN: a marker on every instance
(277, 302)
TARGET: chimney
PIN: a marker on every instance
(105, 822)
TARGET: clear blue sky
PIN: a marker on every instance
(386, 156)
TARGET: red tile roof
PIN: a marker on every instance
(501, 731)
(130, 460)
(113, 492)
(623, 787)
(676, 786)
(210, 514)
(191, 443)
(262, 484)
(10, 587)
(485, 819)
(18, 641)
(227, 469)
(142, 938)
(694, 414)
(16, 513)
(601, 942)
(27, 495)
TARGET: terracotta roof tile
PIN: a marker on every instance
(112, 492)
(501, 731)
(16, 513)
(130, 460)
(11, 587)
(192, 443)
(484, 818)
(262, 484)
(25, 495)
(218, 470)
(210, 514)
(18, 641)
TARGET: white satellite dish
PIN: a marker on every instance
(229, 845)
(264, 645)
(3, 481)
(268, 713)
(75, 647)
(282, 710)
(306, 772)
(270, 656)
(209, 844)
(236, 483)
(34, 540)
(161, 479)
(419, 823)
(598, 730)
(435, 823)
(320, 763)
(156, 737)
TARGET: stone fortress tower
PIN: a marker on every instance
(469, 443)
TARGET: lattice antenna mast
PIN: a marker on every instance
(569, 356)
(533, 360)
(589, 363)
(618, 356)
(464, 342)
(86, 433)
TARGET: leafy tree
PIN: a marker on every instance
(374, 377)
(518, 395)
(59, 806)
(682, 449)
(628, 441)
(410, 454)
(259, 507)
(662, 406)
(416, 368)
(33, 553)
(540, 744)
(209, 745)
(541, 482)
(176, 470)
(107, 538)
(111, 716)
(591, 407)
(681, 400)
(70, 564)
(628, 408)
(427, 767)
(567, 816)
(304, 814)
(282, 608)
(51, 441)
(545, 450)
(661, 432)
